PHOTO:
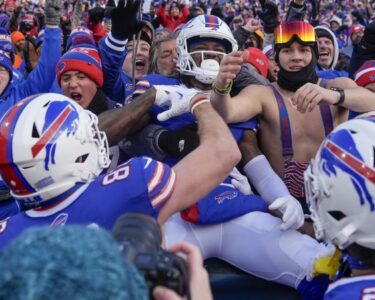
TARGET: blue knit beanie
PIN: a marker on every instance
(70, 262)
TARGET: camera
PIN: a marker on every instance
(140, 237)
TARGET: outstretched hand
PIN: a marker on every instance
(53, 11)
(124, 19)
(177, 99)
(269, 16)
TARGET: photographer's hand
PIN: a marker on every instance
(198, 276)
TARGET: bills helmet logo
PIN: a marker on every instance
(341, 152)
(60, 118)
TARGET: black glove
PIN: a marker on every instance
(96, 15)
(124, 19)
(269, 16)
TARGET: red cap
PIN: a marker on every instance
(258, 60)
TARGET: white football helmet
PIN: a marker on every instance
(200, 27)
(340, 185)
(48, 144)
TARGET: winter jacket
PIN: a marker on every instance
(41, 78)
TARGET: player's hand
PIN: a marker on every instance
(230, 65)
(291, 209)
(240, 182)
(177, 100)
(308, 96)
(198, 276)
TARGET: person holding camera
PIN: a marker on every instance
(170, 274)
(198, 276)
(73, 253)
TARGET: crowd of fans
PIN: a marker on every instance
(157, 80)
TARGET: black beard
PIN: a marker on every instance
(292, 81)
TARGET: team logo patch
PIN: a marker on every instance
(61, 67)
(60, 220)
(227, 195)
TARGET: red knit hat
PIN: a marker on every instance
(365, 74)
(258, 60)
(85, 60)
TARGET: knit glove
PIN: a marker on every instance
(53, 10)
(124, 19)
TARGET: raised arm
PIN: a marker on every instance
(207, 166)
(246, 104)
(41, 78)
(112, 49)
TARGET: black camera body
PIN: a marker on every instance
(139, 237)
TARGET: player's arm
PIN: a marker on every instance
(246, 104)
(119, 122)
(206, 167)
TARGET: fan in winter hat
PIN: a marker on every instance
(85, 60)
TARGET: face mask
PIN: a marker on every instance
(292, 81)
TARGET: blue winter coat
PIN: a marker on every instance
(41, 78)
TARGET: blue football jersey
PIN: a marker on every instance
(355, 288)
(140, 185)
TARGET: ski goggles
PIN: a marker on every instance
(286, 31)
